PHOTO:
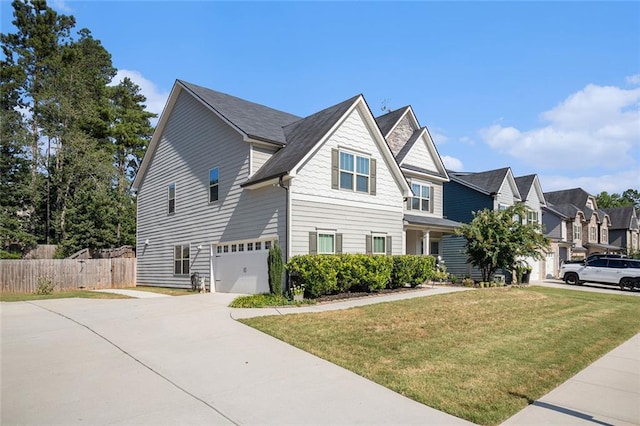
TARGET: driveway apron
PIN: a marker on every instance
(175, 360)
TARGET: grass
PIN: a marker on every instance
(479, 355)
(164, 290)
(264, 300)
(85, 294)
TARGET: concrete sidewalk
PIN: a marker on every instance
(605, 393)
(136, 294)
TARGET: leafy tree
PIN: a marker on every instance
(498, 239)
(630, 197)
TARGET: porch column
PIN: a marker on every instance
(425, 243)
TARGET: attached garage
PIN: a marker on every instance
(241, 266)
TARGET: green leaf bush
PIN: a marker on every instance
(322, 274)
(412, 270)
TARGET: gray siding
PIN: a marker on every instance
(553, 225)
(505, 196)
(354, 223)
(260, 156)
(194, 141)
(452, 252)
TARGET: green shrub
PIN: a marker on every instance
(45, 286)
(454, 279)
(264, 300)
(275, 269)
(10, 255)
(317, 272)
(373, 272)
(468, 282)
(412, 270)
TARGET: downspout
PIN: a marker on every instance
(286, 227)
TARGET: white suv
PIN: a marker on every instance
(613, 271)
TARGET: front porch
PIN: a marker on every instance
(423, 234)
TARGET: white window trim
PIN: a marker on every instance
(210, 186)
(182, 259)
(354, 172)
(169, 212)
(373, 243)
(325, 232)
(420, 197)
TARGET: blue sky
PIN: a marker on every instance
(543, 87)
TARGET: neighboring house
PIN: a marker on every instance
(624, 229)
(532, 197)
(558, 224)
(415, 152)
(587, 226)
(466, 193)
(223, 179)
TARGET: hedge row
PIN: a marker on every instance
(326, 274)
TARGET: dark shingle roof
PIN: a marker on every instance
(489, 181)
(257, 121)
(433, 221)
(388, 120)
(576, 196)
(524, 184)
(621, 217)
(301, 137)
(568, 210)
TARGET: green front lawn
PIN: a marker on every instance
(164, 290)
(20, 297)
(480, 355)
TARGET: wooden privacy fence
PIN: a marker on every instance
(21, 276)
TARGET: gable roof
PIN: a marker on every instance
(524, 184)
(422, 134)
(301, 137)
(488, 182)
(254, 120)
(622, 217)
(388, 121)
(576, 196)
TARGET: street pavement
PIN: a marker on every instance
(185, 360)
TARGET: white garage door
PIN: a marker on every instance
(241, 267)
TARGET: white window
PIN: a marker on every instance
(249, 246)
(241, 247)
(267, 245)
(421, 199)
(604, 235)
(532, 217)
(326, 243)
(593, 236)
(258, 245)
(379, 244)
(213, 184)
(577, 231)
(219, 249)
(502, 207)
(171, 197)
(354, 172)
(181, 259)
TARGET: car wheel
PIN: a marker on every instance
(571, 278)
(626, 282)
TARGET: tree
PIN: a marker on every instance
(630, 197)
(71, 143)
(499, 239)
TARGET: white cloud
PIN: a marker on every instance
(62, 6)
(633, 79)
(156, 99)
(467, 140)
(438, 138)
(452, 163)
(595, 128)
(614, 182)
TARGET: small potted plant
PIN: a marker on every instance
(297, 292)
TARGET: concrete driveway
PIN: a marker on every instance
(175, 360)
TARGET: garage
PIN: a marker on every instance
(241, 266)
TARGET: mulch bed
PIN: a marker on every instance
(359, 294)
